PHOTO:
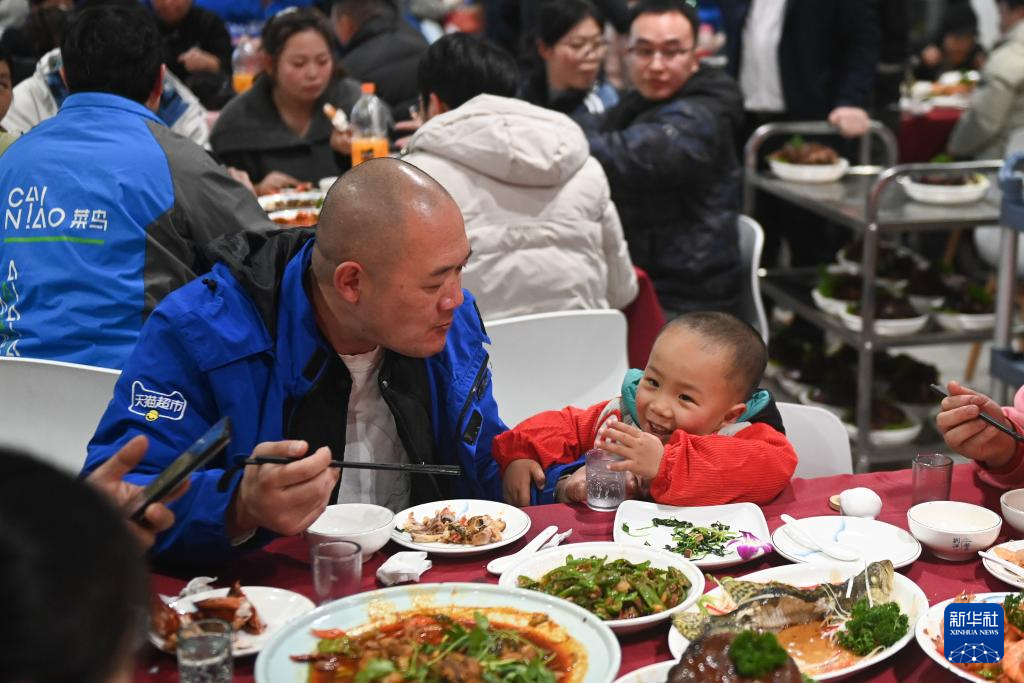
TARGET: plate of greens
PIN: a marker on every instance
(712, 537)
(630, 588)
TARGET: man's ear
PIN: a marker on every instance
(153, 102)
(734, 413)
(349, 279)
(63, 77)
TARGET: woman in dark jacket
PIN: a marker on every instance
(569, 49)
(276, 131)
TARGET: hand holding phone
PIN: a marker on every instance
(195, 456)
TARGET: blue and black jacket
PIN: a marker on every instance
(242, 341)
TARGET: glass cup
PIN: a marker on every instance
(204, 652)
(933, 476)
(337, 570)
(605, 489)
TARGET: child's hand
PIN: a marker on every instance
(643, 452)
(519, 476)
(574, 488)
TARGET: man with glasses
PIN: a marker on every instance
(668, 151)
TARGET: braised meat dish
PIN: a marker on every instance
(808, 153)
(445, 527)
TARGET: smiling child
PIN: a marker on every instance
(693, 427)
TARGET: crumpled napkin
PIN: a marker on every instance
(403, 567)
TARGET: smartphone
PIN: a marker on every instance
(195, 456)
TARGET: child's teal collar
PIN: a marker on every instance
(631, 382)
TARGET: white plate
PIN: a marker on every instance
(945, 194)
(906, 593)
(275, 606)
(1004, 575)
(889, 327)
(290, 200)
(285, 217)
(540, 564)
(739, 517)
(517, 523)
(930, 626)
(961, 322)
(654, 673)
(274, 665)
(925, 304)
(828, 304)
(888, 438)
(810, 173)
(874, 540)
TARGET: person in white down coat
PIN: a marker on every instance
(544, 232)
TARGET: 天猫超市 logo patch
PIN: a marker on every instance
(973, 633)
(153, 405)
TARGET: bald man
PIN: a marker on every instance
(355, 344)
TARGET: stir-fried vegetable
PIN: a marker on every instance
(691, 541)
(1014, 610)
(431, 649)
(756, 655)
(872, 627)
(618, 589)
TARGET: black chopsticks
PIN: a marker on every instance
(984, 416)
(412, 468)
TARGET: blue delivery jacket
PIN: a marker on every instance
(242, 341)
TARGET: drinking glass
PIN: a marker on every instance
(605, 489)
(337, 570)
(204, 652)
(933, 475)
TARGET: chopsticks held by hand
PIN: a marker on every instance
(412, 468)
(983, 415)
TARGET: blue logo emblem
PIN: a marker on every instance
(973, 633)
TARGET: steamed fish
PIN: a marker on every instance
(774, 606)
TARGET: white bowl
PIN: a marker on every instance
(945, 194)
(953, 530)
(540, 564)
(888, 438)
(368, 525)
(896, 327)
(1012, 504)
(828, 304)
(965, 322)
(810, 173)
(925, 304)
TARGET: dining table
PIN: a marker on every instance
(284, 563)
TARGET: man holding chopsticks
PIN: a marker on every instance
(357, 345)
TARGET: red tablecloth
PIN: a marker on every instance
(924, 136)
(284, 564)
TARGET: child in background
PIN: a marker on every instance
(6, 96)
(693, 427)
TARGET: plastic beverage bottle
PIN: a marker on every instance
(369, 127)
(245, 64)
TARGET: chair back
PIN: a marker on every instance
(51, 409)
(548, 361)
(820, 440)
(751, 239)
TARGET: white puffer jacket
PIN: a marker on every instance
(544, 231)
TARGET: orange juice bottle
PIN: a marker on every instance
(245, 64)
(369, 127)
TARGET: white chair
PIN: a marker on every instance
(751, 238)
(548, 361)
(819, 439)
(51, 409)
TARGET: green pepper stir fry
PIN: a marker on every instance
(616, 589)
(691, 541)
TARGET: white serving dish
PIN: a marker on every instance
(286, 217)
(1012, 505)
(894, 327)
(925, 305)
(906, 593)
(540, 564)
(368, 525)
(810, 173)
(653, 673)
(1000, 572)
(965, 322)
(930, 626)
(517, 523)
(888, 438)
(828, 304)
(276, 607)
(945, 194)
(738, 516)
(291, 200)
(874, 540)
(953, 530)
(274, 664)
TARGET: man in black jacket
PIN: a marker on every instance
(380, 47)
(668, 151)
